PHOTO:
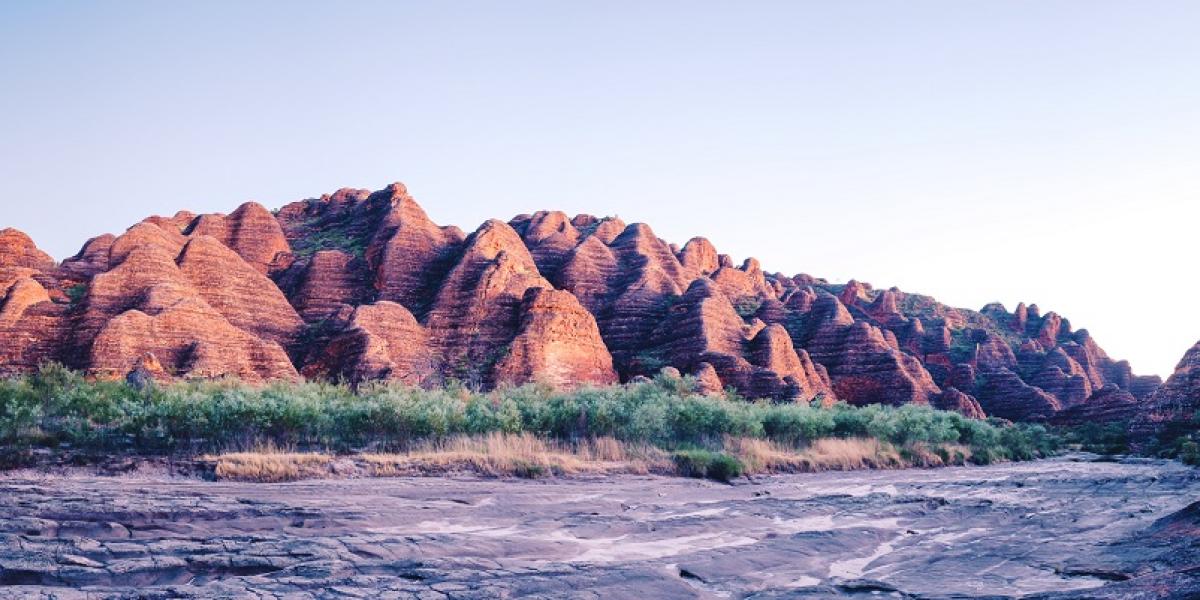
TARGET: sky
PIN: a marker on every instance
(1040, 151)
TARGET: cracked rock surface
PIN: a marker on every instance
(1069, 527)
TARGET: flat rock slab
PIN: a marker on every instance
(1069, 526)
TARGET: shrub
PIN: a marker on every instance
(55, 407)
(1101, 438)
(797, 423)
(1189, 453)
(707, 464)
(725, 468)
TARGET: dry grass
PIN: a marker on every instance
(520, 455)
(853, 453)
(836, 454)
(270, 465)
(921, 455)
(833, 454)
(526, 455)
(762, 456)
(495, 454)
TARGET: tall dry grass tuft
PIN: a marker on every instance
(836, 454)
(526, 455)
(605, 449)
(494, 454)
(828, 454)
(763, 456)
(268, 464)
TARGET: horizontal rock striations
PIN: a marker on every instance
(362, 286)
(1174, 407)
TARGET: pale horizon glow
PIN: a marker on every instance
(1032, 151)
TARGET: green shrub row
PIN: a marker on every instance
(56, 408)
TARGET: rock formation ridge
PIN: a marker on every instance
(361, 285)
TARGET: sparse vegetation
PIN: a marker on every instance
(329, 236)
(657, 421)
(270, 465)
(1101, 438)
(77, 292)
(747, 306)
(1179, 439)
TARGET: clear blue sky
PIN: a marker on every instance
(1045, 151)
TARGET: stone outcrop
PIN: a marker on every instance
(783, 372)
(1177, 402)
(558, 343)
(952, 399)
(478, 309)
(864, 366)
(550, 237)
(146, 372)
(1003, 394)
(189, 337)
(92, 259)
(18, 250)
(330, 280)
(409, 253)
(243, 295)
(32, 326)
(707, 380)
(250, 231)
(360, 286)
(1110, 404)
(381, 341)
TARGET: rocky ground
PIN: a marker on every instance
(1070, 527)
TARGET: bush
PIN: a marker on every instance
(1101, 438)
(708, 464)
(1189, 453)
(56, 407)
(725, 468)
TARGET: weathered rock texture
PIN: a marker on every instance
(1174, 408)
(362, 286)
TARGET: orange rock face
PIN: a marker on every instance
(362, 286)
(382, 341)
(17, 250)
(250, 231)
(558, 343)
(189, 337)
(477, 310)
(243, 295)
(409, 253)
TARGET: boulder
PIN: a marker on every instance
(707, 380)
(952, 399)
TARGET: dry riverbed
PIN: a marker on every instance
(1070, 526)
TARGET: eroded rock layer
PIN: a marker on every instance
(362, 286)
(1176, 403)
